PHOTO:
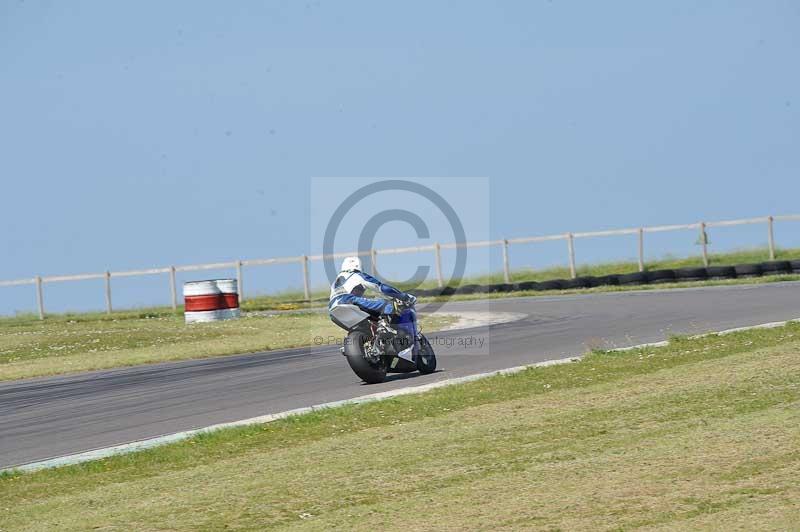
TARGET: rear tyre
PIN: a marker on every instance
(426, 358)
(369, 372)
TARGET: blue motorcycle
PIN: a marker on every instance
(378, 344)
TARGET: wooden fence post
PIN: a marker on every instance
(239, 280)
(571, 246)
(506, 269)
(173, 288)
(39, 297)
(306, 284)
(439, 278)
(108, 292)
(641, 249)
(770, 223)
(704, 241)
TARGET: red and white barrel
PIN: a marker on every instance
(212, 300)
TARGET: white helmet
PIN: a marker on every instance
(351, 264)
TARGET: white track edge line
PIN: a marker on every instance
(770, 325)
(140, 445)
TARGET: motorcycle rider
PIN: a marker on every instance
(351, 284)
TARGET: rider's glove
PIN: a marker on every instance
(409, 300)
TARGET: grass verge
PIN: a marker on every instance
(702, 433)
(31, 348)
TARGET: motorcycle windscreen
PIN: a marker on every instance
(407, 321)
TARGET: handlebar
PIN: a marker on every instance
(408, 304)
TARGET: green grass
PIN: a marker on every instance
(701, 434)
(64, 344)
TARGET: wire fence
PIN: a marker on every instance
(238, 266)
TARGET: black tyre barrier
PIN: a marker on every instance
(721, 272)
(500, 287)
(555, 284)
(776, 266)
(661, 276)
(691, 274)
(433, 292)
(607, 280)
(592, 282)
(578, 282)
(748, 270)
(466, 289)
(629, 279)
(633, 278)
(447, 291)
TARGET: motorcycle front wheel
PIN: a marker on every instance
(354, 347)
(426, 359)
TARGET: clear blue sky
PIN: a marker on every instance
(149, 133)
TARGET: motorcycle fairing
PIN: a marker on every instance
(407, 322)
(347, 316)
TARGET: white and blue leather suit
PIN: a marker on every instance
(350, 286)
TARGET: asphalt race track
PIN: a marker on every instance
(50, 417)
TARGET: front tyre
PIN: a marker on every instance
(426, 358)
(354, 350)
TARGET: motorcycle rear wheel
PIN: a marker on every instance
(369, 372)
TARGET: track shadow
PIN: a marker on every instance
(403, 376)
